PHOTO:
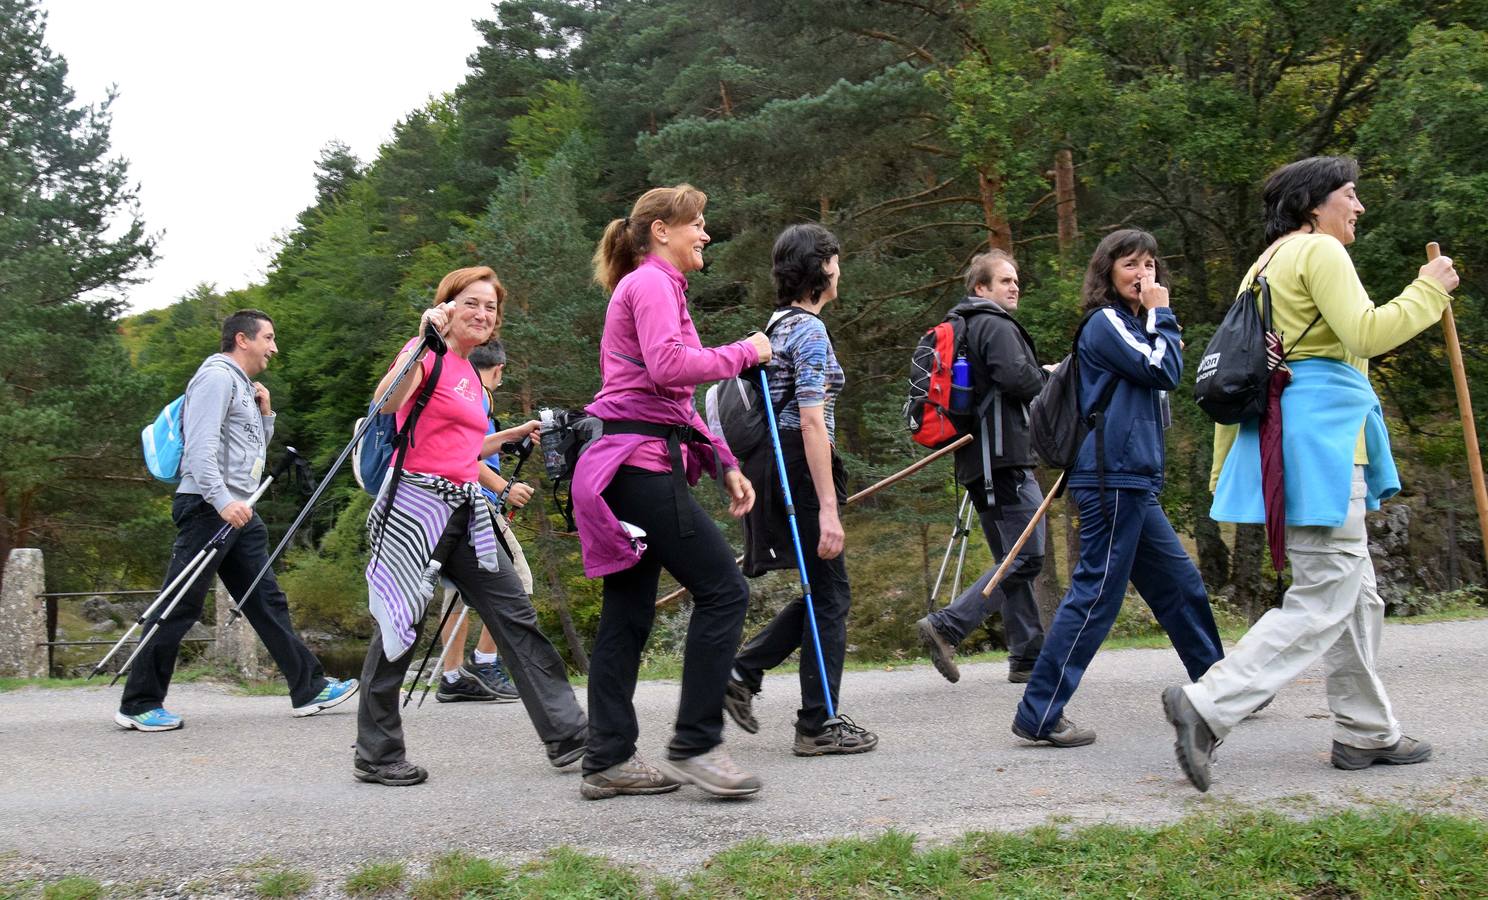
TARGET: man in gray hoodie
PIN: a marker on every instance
(226, 423)
(997, 471)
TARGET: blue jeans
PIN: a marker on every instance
(1131, 540)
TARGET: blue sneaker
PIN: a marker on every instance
(493, 678)
(154, 720)
(334, 692)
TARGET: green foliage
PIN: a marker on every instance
(73, 887)
(284, 883)
(455, 875)
(376, 878)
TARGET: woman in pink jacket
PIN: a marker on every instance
(634, 511)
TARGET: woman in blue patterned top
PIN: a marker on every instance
(805, 379)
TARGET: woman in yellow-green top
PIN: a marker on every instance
(1338, 464)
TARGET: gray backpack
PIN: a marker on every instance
(1056, 428)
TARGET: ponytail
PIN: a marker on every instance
(626, 241)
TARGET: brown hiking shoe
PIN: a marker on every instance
(738, 702)
(634, 776)
(1064, 734)
(942, 654)
(714, 772)
(1405, 752)
(839, 735)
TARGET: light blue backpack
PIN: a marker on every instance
(164, 442)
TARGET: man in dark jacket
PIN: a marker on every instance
(997, 471)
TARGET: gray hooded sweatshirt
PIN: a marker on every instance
(226, 437)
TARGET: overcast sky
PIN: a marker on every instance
(223, 108)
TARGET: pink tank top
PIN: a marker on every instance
(447, 438)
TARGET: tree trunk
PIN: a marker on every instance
(1047, 588)
(999, 233)
(1064, 199)
(1214, 556)
(925, 566)
(1071, 535)
(728, 103)
(1252, 593)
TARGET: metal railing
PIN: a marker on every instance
(50, 598)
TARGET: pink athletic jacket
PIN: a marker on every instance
(650, 359)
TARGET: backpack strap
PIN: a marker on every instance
(403, 439)
(791, 312)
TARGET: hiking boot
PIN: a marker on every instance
(714, 772)
(738, 702)
(1019, 676)
(155, 720)
(334, 692)
(941, 653)
(493, 676)
(1194, 742)
(1405, 752)
(466, 687)
(399, 774)
(634, 776)
(839, 735)
(1257, 711)
(1064, 734)
(567, 751)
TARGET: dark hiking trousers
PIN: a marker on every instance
(830, 595)
(1132, 542)
(703, 564)
(506, 609)
(241, 558)
(1002, 524)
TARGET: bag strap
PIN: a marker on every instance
(403, 439)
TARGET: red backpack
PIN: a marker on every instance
(927, 412)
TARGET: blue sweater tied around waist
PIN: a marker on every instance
(1321, 413)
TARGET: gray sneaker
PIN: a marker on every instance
(839, 735)
(714, 772)
(1405, 752)
(1193, 742)
(634, 776)
(1064, 734)
(942, 654)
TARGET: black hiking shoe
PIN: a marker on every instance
(738, 702)
(1405, 752)
(1019, 675)
(1065, 734)
(839, 735)
(1194, 742)
(493, 676)
(941, 653)
(567, 751)
(399, 774)
(463, 688)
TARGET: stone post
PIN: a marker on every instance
(237, 645)
(23, 616)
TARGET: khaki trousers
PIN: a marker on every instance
(1332, 612)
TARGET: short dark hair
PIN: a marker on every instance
(800, 255)
(1293, 191)
(1098, 291)
(983, 268)
(488, 355)
(244, 321)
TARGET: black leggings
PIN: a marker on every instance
(704, 564)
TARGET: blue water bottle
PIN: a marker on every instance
(961, 386)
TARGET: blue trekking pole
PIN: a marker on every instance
(790, 515)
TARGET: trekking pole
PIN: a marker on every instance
(524, 450)
(1012, 554)
(438, 671)
(964, 526)
(956, 531)
(790, 517)
(1465, 411)
(438, 635)
(869, 491)
(432, 343)
(183, 581)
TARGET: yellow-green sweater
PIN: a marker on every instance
(1312, 274)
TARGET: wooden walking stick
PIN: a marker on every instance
(869, 491)
(1465, 410)
(1012, 554)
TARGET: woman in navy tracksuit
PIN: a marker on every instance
(1129, 345)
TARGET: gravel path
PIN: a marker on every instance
(243, 781)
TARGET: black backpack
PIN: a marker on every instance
(1231, 383)
(734, 407)
(1056, 428)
